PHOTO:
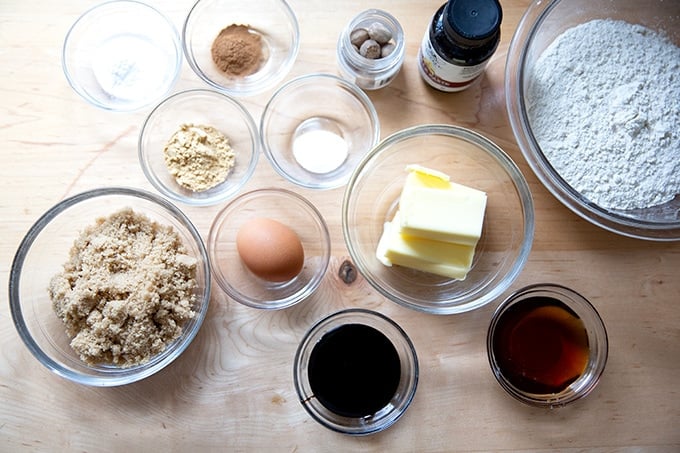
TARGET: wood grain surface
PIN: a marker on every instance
(232, 390)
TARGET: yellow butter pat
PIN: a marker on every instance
(436, 257)
(427, 177)
(433, 207)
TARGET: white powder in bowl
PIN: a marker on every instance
(320, 151)
(604, 105)
(131, 68)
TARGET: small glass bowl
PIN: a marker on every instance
(367, 73)
(202, 107)
(406, 388)
(42, 254)
(122, 55)
(371, 199)
(292, 210)
(318, 103)
(540, 25)
(273, 20)
(597, 343)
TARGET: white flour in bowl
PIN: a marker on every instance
(604, 104)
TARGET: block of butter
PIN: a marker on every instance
(441, 258)
(433, 207)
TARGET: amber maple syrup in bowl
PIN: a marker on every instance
(547, 345)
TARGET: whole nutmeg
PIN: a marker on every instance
(379, 33)
(370, 49)
(358, 36)
(387, 49)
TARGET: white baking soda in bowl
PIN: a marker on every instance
(128, 67)
(318, 146)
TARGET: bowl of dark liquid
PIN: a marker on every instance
(356, 372)
(547, 345)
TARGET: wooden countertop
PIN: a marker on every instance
(233, 388)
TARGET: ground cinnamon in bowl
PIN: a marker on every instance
(237, 50)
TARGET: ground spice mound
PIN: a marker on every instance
(125, 291)
(199, 157)
(237, 51)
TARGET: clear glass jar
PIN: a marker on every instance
(367, 73)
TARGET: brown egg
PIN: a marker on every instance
(270, 249)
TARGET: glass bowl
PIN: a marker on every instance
(309, 371)
(316, 128)
(371, 199)
(541, 24)
(273, 20)
(43, 253)
(293, 211)
(206, 108)
(122, 55)
(563, 342)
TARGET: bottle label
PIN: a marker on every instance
(443, 75)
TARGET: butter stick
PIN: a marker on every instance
(432, 207)
(436, 257)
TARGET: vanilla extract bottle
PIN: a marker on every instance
(461, 38)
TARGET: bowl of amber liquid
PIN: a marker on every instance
(547, 345)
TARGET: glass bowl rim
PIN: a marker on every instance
(222, 195)
(564, 295)
(252, 89)
(328, 319)
(121, 376)
(514, 174)
(72, 80)
(304, 79)
(523, 37)
(297, 297)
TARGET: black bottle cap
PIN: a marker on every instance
(472, 22)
